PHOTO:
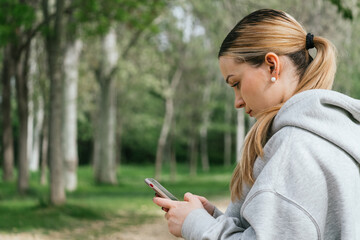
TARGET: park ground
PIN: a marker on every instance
(121, 212)
(155, 229)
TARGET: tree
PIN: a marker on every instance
(134, 16)
(204, 129)
(183, 44)
(20, 27)
(169, 114)
(104, 148)
(228, 135)
(21, 74)
(36, 103)
(17, 19)
(54, 45)
(7, 136)
(69, 133)
(73, 47)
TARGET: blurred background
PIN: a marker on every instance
(98, 95)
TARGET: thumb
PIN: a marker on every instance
(189, 197)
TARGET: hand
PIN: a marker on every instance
(178, 211)
(162, 208)
(209, 207)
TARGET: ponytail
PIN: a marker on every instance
(321, 71)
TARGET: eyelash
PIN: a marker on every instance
(236, 85)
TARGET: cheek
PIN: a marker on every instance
(251, 89)
(254, 95)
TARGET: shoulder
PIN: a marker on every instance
(298, 163)
(313, 97)
(323, 115)
(301, 166)
(316, 106)
(297, 150)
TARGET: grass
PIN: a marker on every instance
(115, 206)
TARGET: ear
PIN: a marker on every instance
(273, 62)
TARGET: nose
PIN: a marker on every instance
(239, 102)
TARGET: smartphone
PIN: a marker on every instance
(159, 189)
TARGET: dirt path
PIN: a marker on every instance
(156, 230)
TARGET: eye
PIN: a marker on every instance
(236, 84)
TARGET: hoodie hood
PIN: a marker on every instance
(328, 114)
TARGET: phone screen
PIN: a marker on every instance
(159, 189)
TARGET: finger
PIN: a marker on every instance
(162, 202)
(201, 198)
(189, 197)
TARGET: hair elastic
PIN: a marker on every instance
(310, 41)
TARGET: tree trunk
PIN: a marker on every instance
(204, 131)
(33, 163)
(204, 149)
(169, 113)
(193, 156)
(172, 155)
(105, 162)
(22, 100)
(44, 153)
(36, 110)
(39, 121)
(55, 62)
(105, 141)
(227, 136)
(7, 138)
(69, 133)
(240, 133)
(55, 153)
(173, 172)
(119, 143)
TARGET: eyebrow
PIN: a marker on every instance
(227, 78)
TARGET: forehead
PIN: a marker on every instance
(228, 66)
(226, 62)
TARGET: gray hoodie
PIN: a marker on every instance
(308, 182)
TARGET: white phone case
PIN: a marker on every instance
(159, 189)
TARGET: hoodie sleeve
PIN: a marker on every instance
(271, 216)
(199, 225)
(217, 213)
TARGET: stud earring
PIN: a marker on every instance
(273, 79)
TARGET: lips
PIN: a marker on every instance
(249, 112)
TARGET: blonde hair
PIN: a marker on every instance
(249, 41)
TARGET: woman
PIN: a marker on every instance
(299, 174)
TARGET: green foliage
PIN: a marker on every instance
(97, 16)
(345, 11)
(15, 16)
(128, 203)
